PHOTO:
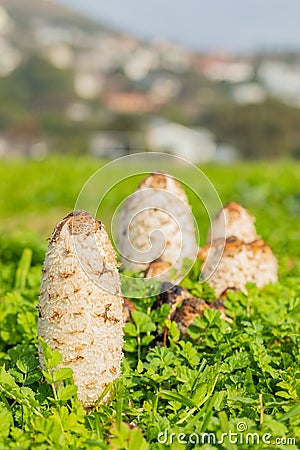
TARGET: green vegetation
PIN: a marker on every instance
(268, 130)
(222, 378)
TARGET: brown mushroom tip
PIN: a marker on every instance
(234, 207)
(79, 222)
(156, 180)
(233, 220)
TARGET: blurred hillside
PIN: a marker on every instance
(71, 85)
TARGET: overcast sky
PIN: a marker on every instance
(232, 25)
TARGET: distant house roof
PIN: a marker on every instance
(129, 102)
(222, 67)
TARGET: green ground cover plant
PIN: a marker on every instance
(209, 390)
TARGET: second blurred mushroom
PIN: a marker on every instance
(236, 255)
(156, 228)
(238, 223)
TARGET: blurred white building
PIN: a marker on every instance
(222, 68)
(114, 144)
(21, 147)
(226, 154)
(88, 85)
(140, 63)
(60, 56)
(6, 22)
(195, 145)
(78, 112)
(164, 89)
(173, 57)
(282, 80)
(249, 93)
(10, 58)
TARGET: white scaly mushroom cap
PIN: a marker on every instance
(241, 263)
(81, 304)
(156, 224)
(238, 223)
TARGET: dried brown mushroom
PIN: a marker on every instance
(171, 295)
(186, 314)
(184, 307)
(128, 307)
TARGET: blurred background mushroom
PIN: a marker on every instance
(156, 229)
(238, 223)
(241, 263)
(245, 258)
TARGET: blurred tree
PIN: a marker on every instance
(35, 87)
(266, 130)
(43, 86)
